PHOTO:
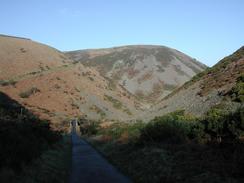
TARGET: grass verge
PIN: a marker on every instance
(53, 166)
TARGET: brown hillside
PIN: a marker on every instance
(41, 79)
(23, 56)
(209, 88)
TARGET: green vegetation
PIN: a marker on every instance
(173, 128)
(7, 82)
(106, 62)
(116, 103)
(115, 130)
(223, 126)
(177, 147)
(169, 87)
(111, 84)
(26, 142)
(29, 92)
(89, 128)
(164, 56)
(127, 111)
(91, 78)
(98, 110)
(52, 166)
(75, 105)
(35, 72)
(237, 92)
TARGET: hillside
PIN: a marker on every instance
(220, 85)
(148, 72)
(20, 56)
(45, 81)
(55, 87)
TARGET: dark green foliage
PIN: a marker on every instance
(237, 92)
(89, 128)
(173, 148)
(92, 128)
(23, 137)
(52, 166)
(223, 126)
(116, 130)
(196, 131)
(7, 82)
(175, 127)
(29, 92)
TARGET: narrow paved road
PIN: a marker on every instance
(88, 166)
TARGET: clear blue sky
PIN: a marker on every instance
(207, 30)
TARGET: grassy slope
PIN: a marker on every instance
(216, 76)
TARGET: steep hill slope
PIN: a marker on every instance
(148, 72)
(52, 86)
(223, 85)
(20, 56)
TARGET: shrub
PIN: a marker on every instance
(7, 82)
(29, 92)
(98, 110)
(196, 131)
(224, 126)
(237, 92)
(91, 78)
(89, 128)
(127, 111)
(169, 128)
(116, 103)
(117, 130)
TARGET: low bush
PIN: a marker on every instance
(171, 128)
(117, 130)
(29, 92)
(116, 103)
(7, 82)
(237, 92)
(224, 126)
(89, 128)
(158, 152)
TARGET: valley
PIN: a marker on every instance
(124, 91)
(150, 110)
